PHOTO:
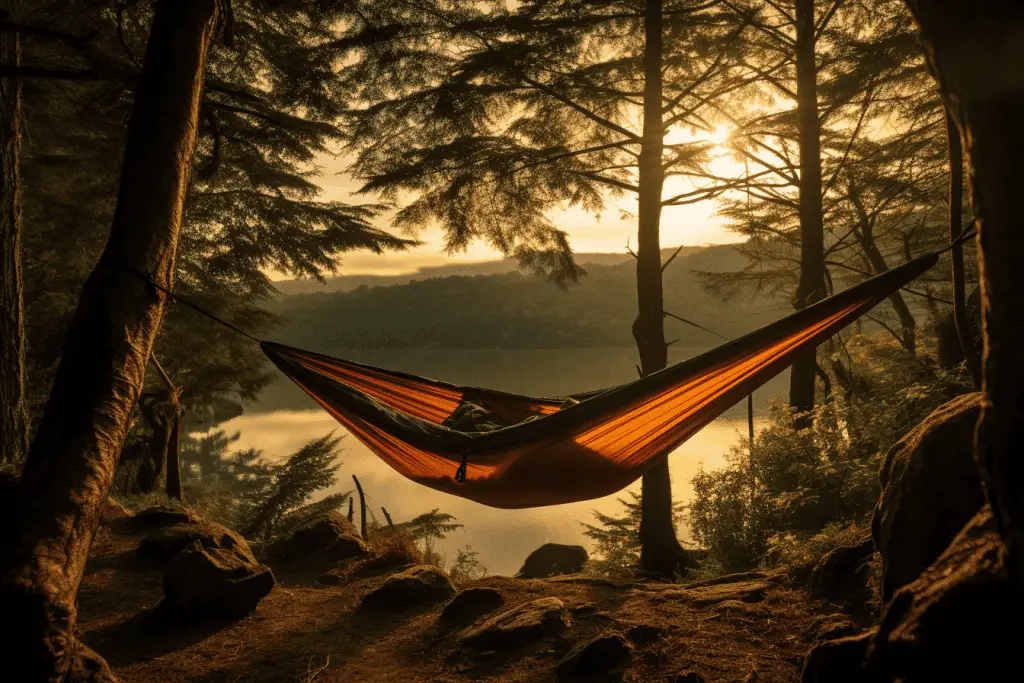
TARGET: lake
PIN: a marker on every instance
(284, 418)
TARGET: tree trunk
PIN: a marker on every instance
(660, 549)
(71, 463)
(812, 241)
(13, 409)
(956, 201)
(173, 487)
(974, 48)
(865, 235)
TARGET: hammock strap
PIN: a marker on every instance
(149, 281)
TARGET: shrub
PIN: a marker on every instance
(395, 546)
(801, 491)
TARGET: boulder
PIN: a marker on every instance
(958, 621)
(843, 573)
(159, 516)
(164, 543)
(88, 667)
(521, 624)
(419, 585)
(601, 657)
(472, 603)
(554, 559)
(202, 583)
(330, 536)
(930, 489)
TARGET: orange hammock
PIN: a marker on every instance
(555, 452)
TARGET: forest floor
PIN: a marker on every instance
(744, 628)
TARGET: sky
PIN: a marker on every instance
(690, 225)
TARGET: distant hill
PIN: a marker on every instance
(346, 283)
(492, 305)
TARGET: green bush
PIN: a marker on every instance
(800, 491)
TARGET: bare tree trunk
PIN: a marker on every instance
(974, 49)
(660, 549)
(956, 201)
(13, 408)
(172, 453)
(362, 507)
(351, 510)
(812, 241)
(173, 486)
(71, 463)
(865, 235)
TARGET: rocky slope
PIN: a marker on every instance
(359, 619)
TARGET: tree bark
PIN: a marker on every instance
(660, 549)
(961, 319)
(812, 241)
(13, 407)
(974, 49)
(71, 463)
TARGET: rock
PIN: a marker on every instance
(930, 489)
(164, 543)
(472, 603)
(415, 586)
(201, 583)
(843, 573)
(113, 512)
(521, 624)
(554, 559)
(88, 667)
(331, 536)
(159, 516)
(601, 657)
(688, 677)
(959, 620)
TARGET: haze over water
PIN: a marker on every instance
(285, 418)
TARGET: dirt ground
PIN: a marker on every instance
(754, 627)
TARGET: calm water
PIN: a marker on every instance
(285, 418)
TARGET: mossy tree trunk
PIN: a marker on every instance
(71, 463)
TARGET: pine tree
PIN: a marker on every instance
(268, 119)
(483, 118)
(311, 469)
(882, 159)
(72, 459)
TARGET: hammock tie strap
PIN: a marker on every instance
(155, 289)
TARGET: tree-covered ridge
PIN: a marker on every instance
(513, 310)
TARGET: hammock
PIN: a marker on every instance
(555, 451)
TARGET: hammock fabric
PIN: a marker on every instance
(567, 452)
